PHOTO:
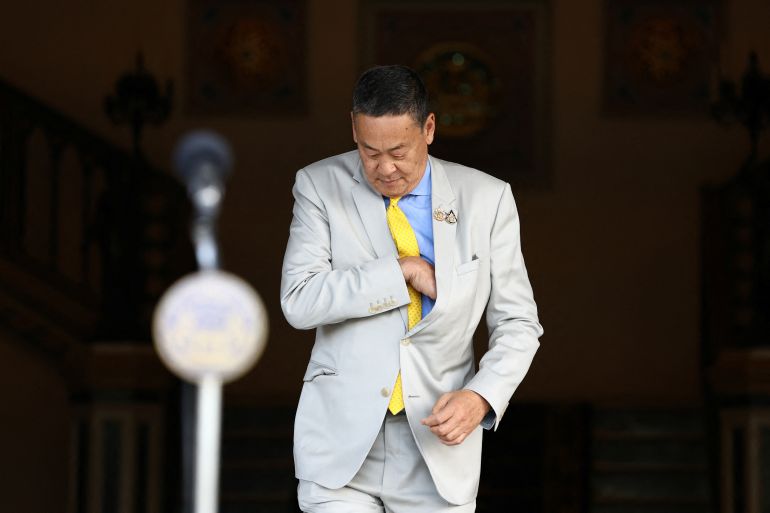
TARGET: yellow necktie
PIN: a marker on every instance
(406, 243)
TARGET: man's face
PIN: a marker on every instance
(394, 151)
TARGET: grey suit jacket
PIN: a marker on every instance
(341, 276)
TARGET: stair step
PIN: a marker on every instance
(691, 452)
(254, 449)
(652, 507)
(649, 461)
(259, 464)
(271, 496)
(276, 433)
(510, 490)
(686, 436)
(684, 420)
(257, 479)
(649, 486)
(259, 503)
(503, 478)
(257, 474)
(649, 502)
(278, 420)
(503, 499)
(625, 467)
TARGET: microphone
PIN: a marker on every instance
(203, 160)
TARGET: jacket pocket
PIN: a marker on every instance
(468, 266)
(315, 369)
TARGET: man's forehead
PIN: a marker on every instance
(406, 118)
(386, 135)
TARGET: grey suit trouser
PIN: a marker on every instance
(392, 479)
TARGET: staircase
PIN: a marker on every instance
(533, 463)
(89, 238)
(257, 468)
(513, 462)
(543, 458)
(649, 461)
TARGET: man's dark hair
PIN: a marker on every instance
(391, 91)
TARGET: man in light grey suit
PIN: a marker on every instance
(392, 409)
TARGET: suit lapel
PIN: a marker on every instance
(371, 208)
(442, 198)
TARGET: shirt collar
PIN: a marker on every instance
(424, 187)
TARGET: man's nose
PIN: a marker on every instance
(388, 167)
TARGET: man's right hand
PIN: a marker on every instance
(419, 274)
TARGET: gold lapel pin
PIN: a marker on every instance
(439, 215)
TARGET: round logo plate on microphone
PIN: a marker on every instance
(210, 323)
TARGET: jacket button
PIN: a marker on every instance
(406, 342)
(385, 392)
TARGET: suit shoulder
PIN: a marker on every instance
(470, 179)
(335, 167)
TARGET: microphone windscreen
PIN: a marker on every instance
(202, 149)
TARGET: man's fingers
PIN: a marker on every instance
(454, 434)
(431, 421)
(437, 419)
(425, 286)
(429, 282)
(455, 438)
(441, 403)
(451, 435)
(420, 275)
(456, 441)
(432, 292)
(440, 413)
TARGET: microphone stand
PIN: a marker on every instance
(210, 327)
(204, 402)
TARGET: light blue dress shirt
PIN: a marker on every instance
(417, 208)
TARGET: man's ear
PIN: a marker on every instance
(353, 127)
(429, 129)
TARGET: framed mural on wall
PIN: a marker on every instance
(661, 56)
(485, 65)
(246, 57)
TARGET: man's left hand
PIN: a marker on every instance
(456, 415)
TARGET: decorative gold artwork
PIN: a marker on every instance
(661, 56)
(246, 58)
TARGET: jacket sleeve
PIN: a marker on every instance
(511, 316)
(314, 294)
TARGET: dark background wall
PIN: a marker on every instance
(611, 245)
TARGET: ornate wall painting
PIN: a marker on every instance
(485, 65)
(246, 57)
(661, 56)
